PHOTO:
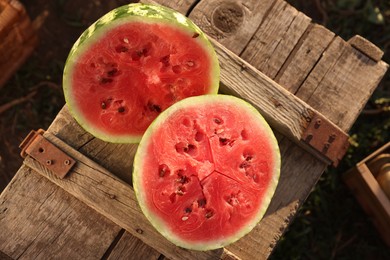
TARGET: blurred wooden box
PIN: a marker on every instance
(18, 37)
(364, 185)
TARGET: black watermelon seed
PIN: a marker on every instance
(217, 120)
(183, 179)
(223, 141)
(157, 108)
(209, 214)
(103, 105)
(105, 80)
(195, 35)
(244, 165)
(121, 109)
(154, 107)
(113, 72)
(201, 203)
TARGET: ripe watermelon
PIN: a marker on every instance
(205, 171)
(132, 64)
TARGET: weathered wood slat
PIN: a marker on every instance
(40, 221)
(366, 47)
(304, 57)
(276, 38)
(130, 247)
(114, 199)
(182, 6)
(343, 72)
(232, 23)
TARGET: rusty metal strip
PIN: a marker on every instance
(49, 155)
(326, 138)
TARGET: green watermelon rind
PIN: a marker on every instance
(142, 153)
(128, 13)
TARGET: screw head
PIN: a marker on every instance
(67, 162)
(317, 123)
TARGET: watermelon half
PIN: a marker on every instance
(205, 171)
(132, 64)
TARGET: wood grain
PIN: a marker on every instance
(275, 39)
(345, 72)
(304, 57)
(40, 221)
(182, 6)
(366, 47)
(232, 23)
(129, 247)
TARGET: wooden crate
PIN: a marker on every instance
(364, 185)
(18, 38)
(297, 73)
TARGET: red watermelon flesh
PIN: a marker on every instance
(205, 171)
(125, 71)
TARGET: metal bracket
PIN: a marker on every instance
(46, 153)
(326, 138)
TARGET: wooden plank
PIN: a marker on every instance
(304, 57)
(275, 38)
(114, 199)
(366, 47)
(130, 247)
(232, 23)
(64, 126)
(182, 6)
(40, 221)
(106, 154)
(342, 72)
